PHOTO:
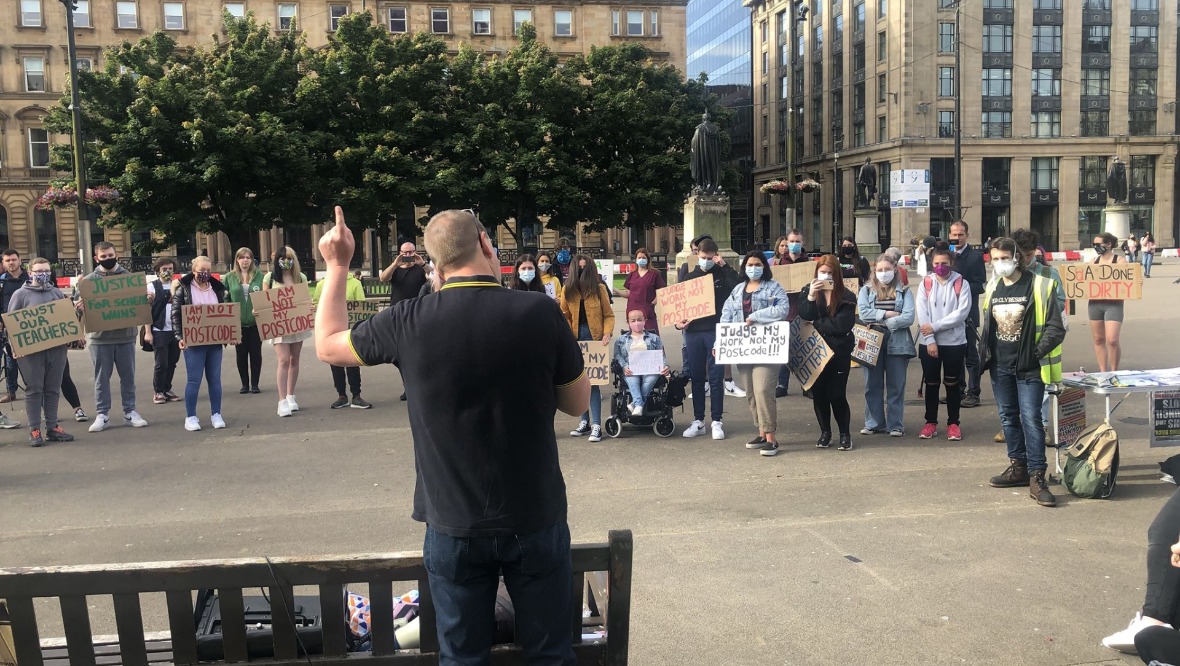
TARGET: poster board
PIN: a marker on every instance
(1071, 416)
(1165, 418)
(757, 344)
(596, 358)
(793, 277)
(606, 270)
(213, 324)
(909, 188)
(1121, 282)
(867, 345)
(852, 285)
(359, 311)
(114, 302)
(40, 327)
(283, 311)
(691, 299)
(811, 354)
(646, 362)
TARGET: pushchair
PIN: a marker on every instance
(667, 394)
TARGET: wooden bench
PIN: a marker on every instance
(124, 583)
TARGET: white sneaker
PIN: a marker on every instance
(1124, 641)
(292, 404)
(595, 434)
(133, 419)
(284, 408)
(695, 430)
(101, 422)
(637, 410)
(718, 431)
(192, 423)
(217, 421)
(732, 389)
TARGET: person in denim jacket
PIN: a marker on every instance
(758, 300)
(638, 340)
(887, 301)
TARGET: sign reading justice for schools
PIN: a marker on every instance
(212, 324)
(40, 327)
(687, 300)
(1120, 282)
(283, 311)
(118, 301)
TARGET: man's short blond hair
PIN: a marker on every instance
(452, 239)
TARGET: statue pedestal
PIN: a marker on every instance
(867, 234)
(1118, 220)
(705, 214)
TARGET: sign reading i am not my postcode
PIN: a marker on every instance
(283, 311)
(114, 302)
(211, 324)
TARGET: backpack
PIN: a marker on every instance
(928, 284)
(1092, 463)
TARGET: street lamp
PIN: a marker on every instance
(84, 254)
(798, 15)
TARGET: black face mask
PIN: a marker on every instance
(108, 264)
(848, 251)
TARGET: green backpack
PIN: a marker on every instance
(1092, 463)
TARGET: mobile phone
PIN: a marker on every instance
(827, 285)
(407, 260)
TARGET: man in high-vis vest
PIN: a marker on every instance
(1020, 342)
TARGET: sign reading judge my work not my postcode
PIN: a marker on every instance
(114, 302)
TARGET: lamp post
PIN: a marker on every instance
(84, 253)
(798, 15)
(958, 116)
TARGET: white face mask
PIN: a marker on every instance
(1004, 267)
(885, 277)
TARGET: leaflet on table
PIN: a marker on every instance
(1127, 378)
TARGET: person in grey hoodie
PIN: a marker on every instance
(944, 303)
(42, 370)
(112, 350)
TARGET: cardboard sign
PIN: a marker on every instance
(868, 344)
(1120, 282)
(215, 324)
(1165, 418)
(646, 362)
(42, 327)
(811, 353)
(793, 277)
(606, 270)
(359, 311)
(596, 358)
(283, 311)
(757, 344)
(118, 301)
(1071, 416)
(688, 300)
(852, 285)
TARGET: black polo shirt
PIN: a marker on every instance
(480, 364)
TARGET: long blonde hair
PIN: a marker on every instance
(243, 251)
(885, 291)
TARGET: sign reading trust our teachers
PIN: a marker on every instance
(40, 327)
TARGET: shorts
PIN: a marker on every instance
(1106, 311)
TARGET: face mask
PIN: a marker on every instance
(826, 277)
(165, 275)
(705, 264)
(642, 261)
(885, 277)
(1005, 267)
(527, 276)
(848, 251)
(203, 276)
(942, 270)
(1100, 248)
(754, 272)
(286, 264)
(42, 279)
(544, 268)
(636, 326)
(795, 248)
(108, 264)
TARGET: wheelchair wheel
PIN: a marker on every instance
(613, 427)
(665, 427)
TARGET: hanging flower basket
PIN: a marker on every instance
(775, 187)
(807, 185)
(66, 196)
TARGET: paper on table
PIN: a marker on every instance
(646, 362)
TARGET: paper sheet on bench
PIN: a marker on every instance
(646, 362)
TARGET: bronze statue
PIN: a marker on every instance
(1116, 181)
(706, 158)
(866, 185)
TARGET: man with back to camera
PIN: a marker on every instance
(969, 264)
(13, 278)
(487, 497)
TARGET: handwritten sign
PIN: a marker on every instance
(606, 270)
(1119, 282)
(40, 327)
(596, 358)
(646, 362)
(1165, 418)
(359, 311)
(852, 285)
(118, 301)
(757, 344)
(1071, 416)
(213, 324)
(283, 311)
(811, 353)
(793, 277)
(688, 300)
(868, 343)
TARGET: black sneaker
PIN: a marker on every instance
(255, 390)
(360, 403)
(58, 435)
(769, 449)
(245, 390)
(756, 443)
(824, 441)
(845, 442)
(35, 438)
(970, 401)
(340, 403)
(781, 391)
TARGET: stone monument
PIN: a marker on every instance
(1117, 214)
(706, 210)
(865, 215)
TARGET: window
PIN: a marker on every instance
(1046, 39)
(858, 17)
(783, 89)
(996, 4)
(481, 21)
(38, 148)
(800, 45)
(522, 16)
(85, 64)
(286, 16)
(838, 30)
(1092, 174)
(995, 173)
(765, 63)
(1046, 124)
(858, 97)
(783, 55)
(30, 14)
(942, 174)
(654, 23)
(397, 20)
(946, 124)
(946, 4)
(1142, 176)
(616, 22)
(1044, 173)
(1141, 217)
(997, 39)
(882, 130)
(1144, 39)
(817, 9)
(174, 16)
(440, 20)
(882, 86)
(1143, 82)
(235, 9)
(858, 57)
(1141, 123)
(946, 37)
(127, 15)
(882, 8)
(1090, 220)
(997, 82)
(1145, 5)
(766, 125)
(35, 74)
(817, 76)
(82, 15)
(946, 81)
(634, 23)
(1095, 123)
(1097, 39)
(1047, 4)
(997, 124)
(817, 40)
(882, 47)
(1046, 82)
(858, 134)
(563, 22)
(1096, 82)
(335, 13)
(45, 228)
(1096, 4)
(763, 28)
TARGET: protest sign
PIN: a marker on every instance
(1071, 416)
(756, 344)
(811, 354)
(868, 344)
(1119, 282)
(359, 311)
(212, 324)
(793, 277)
(40, 327)
(118, 301)
(283, 311)
(646, 362)
(689, 300)
(1165, 418)
(606, 270)
(596, 358)
(852, 285)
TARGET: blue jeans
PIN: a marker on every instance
(1019, 402)
(700, 350)
(885, 393)
(640, 386)
(464, 573)
(784, 376)
(594, 414)
(1147, 259)
(203, 360)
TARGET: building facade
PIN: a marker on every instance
(34, 73)
(1043, 95)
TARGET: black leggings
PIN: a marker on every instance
(1158, 645)
(68, 390)
(948, 368)
(1161, 596)
(829, 394)
(249, 353)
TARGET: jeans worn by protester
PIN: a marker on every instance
(885, 383)
(199, 360)
(639, 385)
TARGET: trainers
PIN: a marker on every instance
(80, 415)
(133, 419)
(969, 401)
(284, 408)
(756, 443)
(56, 434)
(897, 433)
(637, 410)
(1015, 475)
(825, 440)
(953, 433)
(999, 438)
(1124, 641)
(292, 404)
(159, 398)
(929, 431)
(870, 431)
(781, 391)
(732, 389)
(35, 438)
(595, 434)
(340, 403)
(192, 423)
(582, 429)
(845, 442)
(217, 421)
(100, 423)
(718, 430)
(1038, 489)
(7, 423)
(769, 449)
(172, 397)
(695, 429)
(360, 403)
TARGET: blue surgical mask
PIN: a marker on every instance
(527, 276)
(754, 272)
(705, 264)
(642, 261)
(795, 248)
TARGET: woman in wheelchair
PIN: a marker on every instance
(640, 386)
